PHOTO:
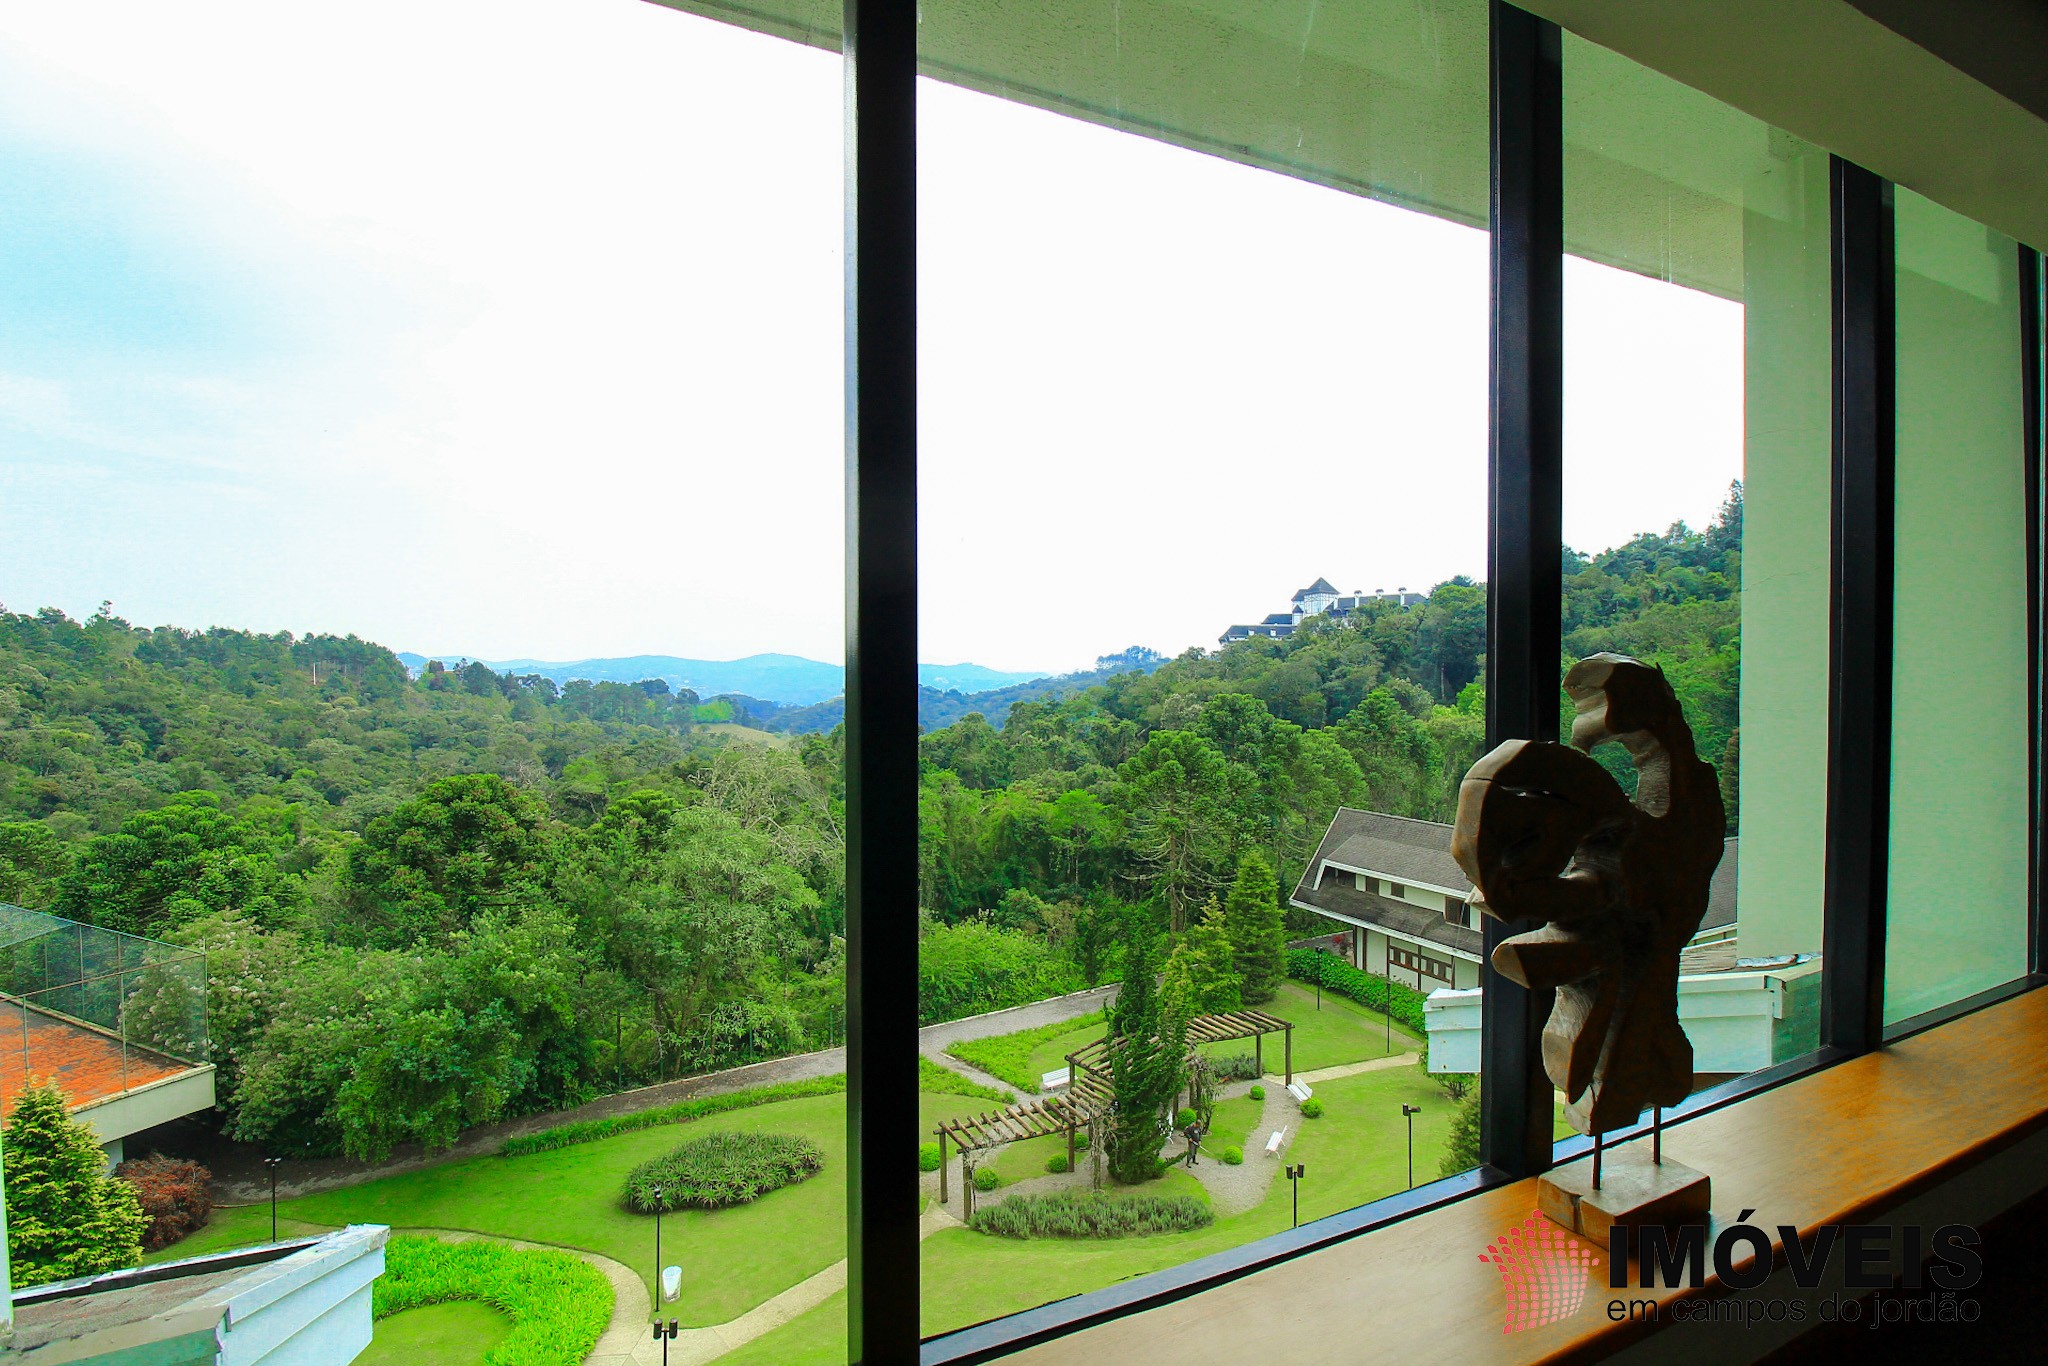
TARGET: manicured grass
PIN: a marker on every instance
(732, 1259)
(1355, 1153)
(944, 1081)
(1232, 1123)
(699, 1107)
(816, 1337)
(1052, 1051)
(456, 1334)
(1022, 1059)
(1341, 1032)
(235, 1226)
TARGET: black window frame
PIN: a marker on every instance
(1524, 643)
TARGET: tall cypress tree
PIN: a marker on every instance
(1147, 1064)
(66, 1215)
(1258, 931)
(1201, 973)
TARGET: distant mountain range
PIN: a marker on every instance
(790, 680)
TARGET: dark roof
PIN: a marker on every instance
(1417, 922)
(1279, 619)
(1412, 851)
(1319, 586)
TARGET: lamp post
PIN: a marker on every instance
(272, 1163)
(1409, 1112)
(1322, 961)
(664, 1333)
(1295, 1171)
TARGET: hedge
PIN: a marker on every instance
(720, 1170)
(1091, 1214)
(1370, 991)
(559, 1304)
(590, 1130)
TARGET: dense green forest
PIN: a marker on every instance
(430, 902)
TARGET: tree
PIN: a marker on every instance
(1201, 972)
(66, 1215)
(1461, 1149)
(1178, 793)
(174, 864)
(465, 843)
(32, 859)
(1147, 1064)
(1257, 929)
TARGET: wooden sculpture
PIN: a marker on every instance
(1545, 833)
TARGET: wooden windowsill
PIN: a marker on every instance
(1838, 1147)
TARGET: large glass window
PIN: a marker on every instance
(1959, 822)
(1203, 438)
(1697, 457)
(420, 431)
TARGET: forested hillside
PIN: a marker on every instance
(433, 902)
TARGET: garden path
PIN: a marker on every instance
(1233, 1190)
(1352, 1069)
(628, 1342)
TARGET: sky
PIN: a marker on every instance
(513, 329)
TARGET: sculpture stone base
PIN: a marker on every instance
(1634, 1192)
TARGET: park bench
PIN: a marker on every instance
(1273, 1143)
(1053, 1080)
(1299, 1090)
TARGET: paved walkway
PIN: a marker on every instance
(1352, 1069)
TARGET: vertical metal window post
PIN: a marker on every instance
(2033, 455)
(881, 680)
(1525, 567)
(1860, 625)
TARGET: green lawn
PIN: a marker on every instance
(1341, 1032)
(732, 1259)
(1024, 1057)
(814, 1338)
(456, 1334)
(1232, 1123)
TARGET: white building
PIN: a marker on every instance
(1402, 908)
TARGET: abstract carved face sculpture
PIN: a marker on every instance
(1545, 833)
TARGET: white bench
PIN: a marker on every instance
(1054, 1080)
(1273, 1143)
(1299, 1090)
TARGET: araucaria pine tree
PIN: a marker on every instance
(66, 1215)
(1147, 1059)
(1201, 973)
(1258, 932)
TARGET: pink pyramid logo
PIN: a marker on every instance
(1542, 1272)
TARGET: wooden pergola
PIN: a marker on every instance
(1089, 1094)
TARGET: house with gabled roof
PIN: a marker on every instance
(1403, 906)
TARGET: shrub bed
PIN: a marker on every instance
(1236, 1066)
(590, 1130)
(719, 1170)
(928, 1157)
(1091, 1214)
(173, 1194)
(559, 1304)
(1370, 991)
(985, 1179)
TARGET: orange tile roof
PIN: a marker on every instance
(89, 1064)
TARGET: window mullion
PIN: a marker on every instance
(1860, 657)
(1525, 573)
(881, 680)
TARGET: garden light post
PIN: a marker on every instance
(1295, 1171)
(1409, 1112)
(272, 1163)
(664, 1333)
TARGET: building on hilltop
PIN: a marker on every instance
(1319, 599)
